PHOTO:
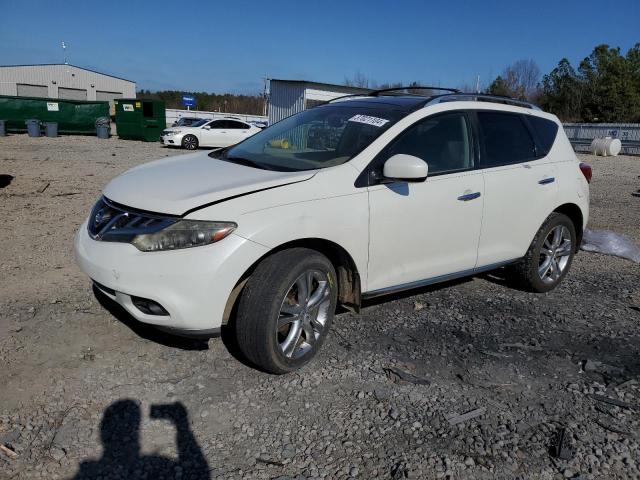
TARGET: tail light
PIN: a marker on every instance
(585, 168)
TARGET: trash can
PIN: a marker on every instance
(51, 129)
(3, 129)
(103, 127)
(33, 127)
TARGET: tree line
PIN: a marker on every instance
(604, 88)
(210, 102)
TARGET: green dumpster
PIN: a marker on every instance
(72, 116)
(140, 119)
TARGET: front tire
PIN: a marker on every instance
(286, 309)
(190, 142)
(550, 255)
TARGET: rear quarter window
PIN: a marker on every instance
(545, 132)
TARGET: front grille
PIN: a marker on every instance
(110, 222)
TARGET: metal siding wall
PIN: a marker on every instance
(285, 99)
(581, 134)
(65, 76)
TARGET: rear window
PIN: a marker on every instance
(505, 138)
(545, 131)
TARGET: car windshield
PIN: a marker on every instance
(321, 137)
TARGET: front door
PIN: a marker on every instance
(429, 229)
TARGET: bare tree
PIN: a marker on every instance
(522, 78)
(359, 80)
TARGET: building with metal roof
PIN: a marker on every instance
(63, 81)
(287, 97)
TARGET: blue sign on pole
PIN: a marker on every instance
(188, 101)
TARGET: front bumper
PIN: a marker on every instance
(171, 140)
(192, 285)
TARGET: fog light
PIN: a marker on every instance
(149, 307)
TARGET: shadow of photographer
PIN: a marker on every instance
(121, 459)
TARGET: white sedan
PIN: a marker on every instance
(218, 133)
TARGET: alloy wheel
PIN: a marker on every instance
(303, 314)
(555, 254)
(190, 143)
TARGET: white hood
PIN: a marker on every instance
(178, 184)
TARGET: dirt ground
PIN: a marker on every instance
(87, 392)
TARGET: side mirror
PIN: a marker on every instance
(406, 168)
(207, 127)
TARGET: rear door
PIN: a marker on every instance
(214, 135)
(237, 131)
(423, 230)
(520, 185)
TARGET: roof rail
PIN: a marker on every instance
(481, 97)
(344, 97)
(375, 93)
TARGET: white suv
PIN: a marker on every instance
(356, 198)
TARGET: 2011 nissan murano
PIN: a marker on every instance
(360, 197)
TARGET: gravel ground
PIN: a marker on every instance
(86, 392)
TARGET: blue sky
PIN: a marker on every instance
(219, 46)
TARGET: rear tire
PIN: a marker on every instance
(286, 310)
(190, 142)
(550, 255)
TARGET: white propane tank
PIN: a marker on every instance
(606, 146)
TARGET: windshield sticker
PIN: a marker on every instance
(375, 121)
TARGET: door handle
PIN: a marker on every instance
(544, 181)
(469, 196)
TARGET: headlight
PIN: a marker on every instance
(183, 234)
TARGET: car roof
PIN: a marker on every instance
(227, 118)
(406, 103)
(411, 103)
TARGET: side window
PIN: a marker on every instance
(545, 131)
(217, 124)
(506, 139)
(237, 125)
(442, 141)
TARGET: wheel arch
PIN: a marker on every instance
(349, 286)
(574, 213)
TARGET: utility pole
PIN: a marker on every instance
(264, 96)
(64, 52)
(478, 84)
